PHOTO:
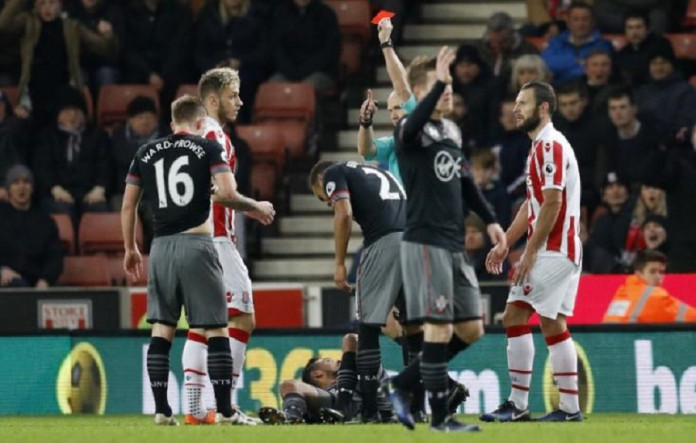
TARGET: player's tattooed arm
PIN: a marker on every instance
(227, 195)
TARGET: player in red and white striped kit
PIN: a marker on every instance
(219, 90)
(547, 278)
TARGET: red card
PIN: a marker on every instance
(381, 15)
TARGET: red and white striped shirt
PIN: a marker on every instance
(223, 218)
(551, 164)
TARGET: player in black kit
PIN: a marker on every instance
(174, 174)
(440, 285)
(377, 202)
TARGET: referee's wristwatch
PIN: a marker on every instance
(387, 44)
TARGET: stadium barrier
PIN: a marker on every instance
(622, 369)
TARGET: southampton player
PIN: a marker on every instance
(173, 174)
(547, 278)
(314, 399)
(440, 285)
(378, 203)
(219, 91)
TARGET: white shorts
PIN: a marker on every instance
(240, 299)
(551, 286)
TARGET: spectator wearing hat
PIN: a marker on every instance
(30, 251)
(632, 144)
(501, 45)
(472, 78)
(666, 99)
(633, 59)
(566, 52)
(51, 48)
(141, 126)
(72, 160)
(607, 238)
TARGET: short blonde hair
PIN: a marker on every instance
(528, 61)
(418, 70)
(215, 80)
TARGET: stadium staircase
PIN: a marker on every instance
(301, 248)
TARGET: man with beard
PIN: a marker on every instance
(547, 277)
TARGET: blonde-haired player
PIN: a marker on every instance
(219, 91)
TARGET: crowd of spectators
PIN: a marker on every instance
(629, 113)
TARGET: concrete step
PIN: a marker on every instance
(296, 269)
(380, 119)
(304, 203)
(383, 76)
(442, 32)
(342, 156)
(410, 52)
(311, 225)
(348, 139)
(471, 11)
(306, 246)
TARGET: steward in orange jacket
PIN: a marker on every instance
(641, 299)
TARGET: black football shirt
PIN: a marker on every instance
(175, 174)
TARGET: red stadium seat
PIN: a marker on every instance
(114, 99)
(266, 143)
(540, 43)
(690, 16)
(85, 271)
(263, 180)
(101, 232)
(353, 18)
(684, 45)
(294, 135)
(118, 275)
(190, 89)
(284, 101)
(351, 57)
(66, 233)
(617, 40)
(12, 93)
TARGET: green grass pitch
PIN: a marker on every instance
(631, 428)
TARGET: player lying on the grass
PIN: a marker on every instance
(314, 399)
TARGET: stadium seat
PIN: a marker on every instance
(294, 134)
(540, 43)
(263, 180)
(190, 89)
(101, 232)
(66, 233)
(266, 143)
(351, 57)
(118, 275)
(85, 271)
(114, 99)
(353, 18)
(684, 45)
(690, 15)
(284, 101)
(617, 40)
(12, 93)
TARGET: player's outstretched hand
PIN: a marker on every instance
(368, 108)
(264, 213)
(384, 29)
(525, 266)
(444, 60)
(133, 264)
(495, 258)
(340, 278)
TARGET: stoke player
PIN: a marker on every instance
(219, 91)
(547, 278)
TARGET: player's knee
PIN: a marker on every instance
(514, 317)
(287, 387)
(349, 343)
(470, 332)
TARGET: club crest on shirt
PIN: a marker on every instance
(441, 303)
(446, 167)
(330, 188)
(526, 289)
